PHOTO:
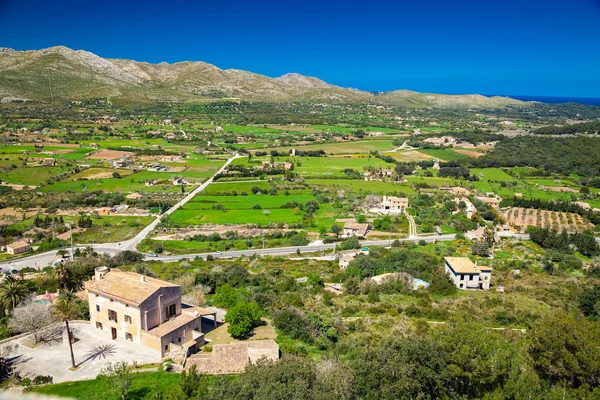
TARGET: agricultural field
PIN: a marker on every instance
(444, 155)
(353, 147)
(521, 218)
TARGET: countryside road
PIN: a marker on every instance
(45, 259)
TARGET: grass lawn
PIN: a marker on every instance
(143, 385)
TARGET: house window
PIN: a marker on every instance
(98, 325)
(97, 308)
(166, 347)
(179, 340)
(112, 315)
(171, 310)
(128, 319)
(471, 277)
(129, 336)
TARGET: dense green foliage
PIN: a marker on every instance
(566, 155)
(592, 127)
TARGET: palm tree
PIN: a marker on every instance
(65, 309)
(62, 273)
(12, 292)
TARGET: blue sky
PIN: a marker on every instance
(517, 47)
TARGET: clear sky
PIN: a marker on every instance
(518, 47)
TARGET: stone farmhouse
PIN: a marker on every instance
(144, 310)
(467, 275)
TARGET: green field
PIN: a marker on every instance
(203, 202)
(492, 174)
(367, 186)
(220, 217)
(445, 154)
(364, 146)
(31, 175)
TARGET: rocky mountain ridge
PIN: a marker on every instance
(60, 73)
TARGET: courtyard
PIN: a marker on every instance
(92, 354)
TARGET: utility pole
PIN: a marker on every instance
(72, 251)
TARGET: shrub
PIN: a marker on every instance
(242, 318)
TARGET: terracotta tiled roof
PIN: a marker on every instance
(18, 245)
(172, 324)
(462, 265)
(127, 286)
(361, 229)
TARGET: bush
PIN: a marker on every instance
(42, 379)
(242, 318)
(293, 323)
(441, 284)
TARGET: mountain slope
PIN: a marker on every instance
(60, 73)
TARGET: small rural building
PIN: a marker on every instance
(152, 182)
(355, 229)
(492, 201)
(134, 196)
(467, 275)
(345, 260)
(144, 310)
(18, 248)
(180, 181)
(461, 191)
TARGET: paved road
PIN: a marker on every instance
(293, 250)
(412, 226)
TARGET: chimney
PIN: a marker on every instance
(142, 278)
(100, 272)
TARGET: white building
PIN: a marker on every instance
(391, 205)
(345, 260)
(394, 205)
(354, 229)
(466, 275)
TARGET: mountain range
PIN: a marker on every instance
(59, 73)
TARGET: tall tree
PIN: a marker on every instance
(65, 309)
